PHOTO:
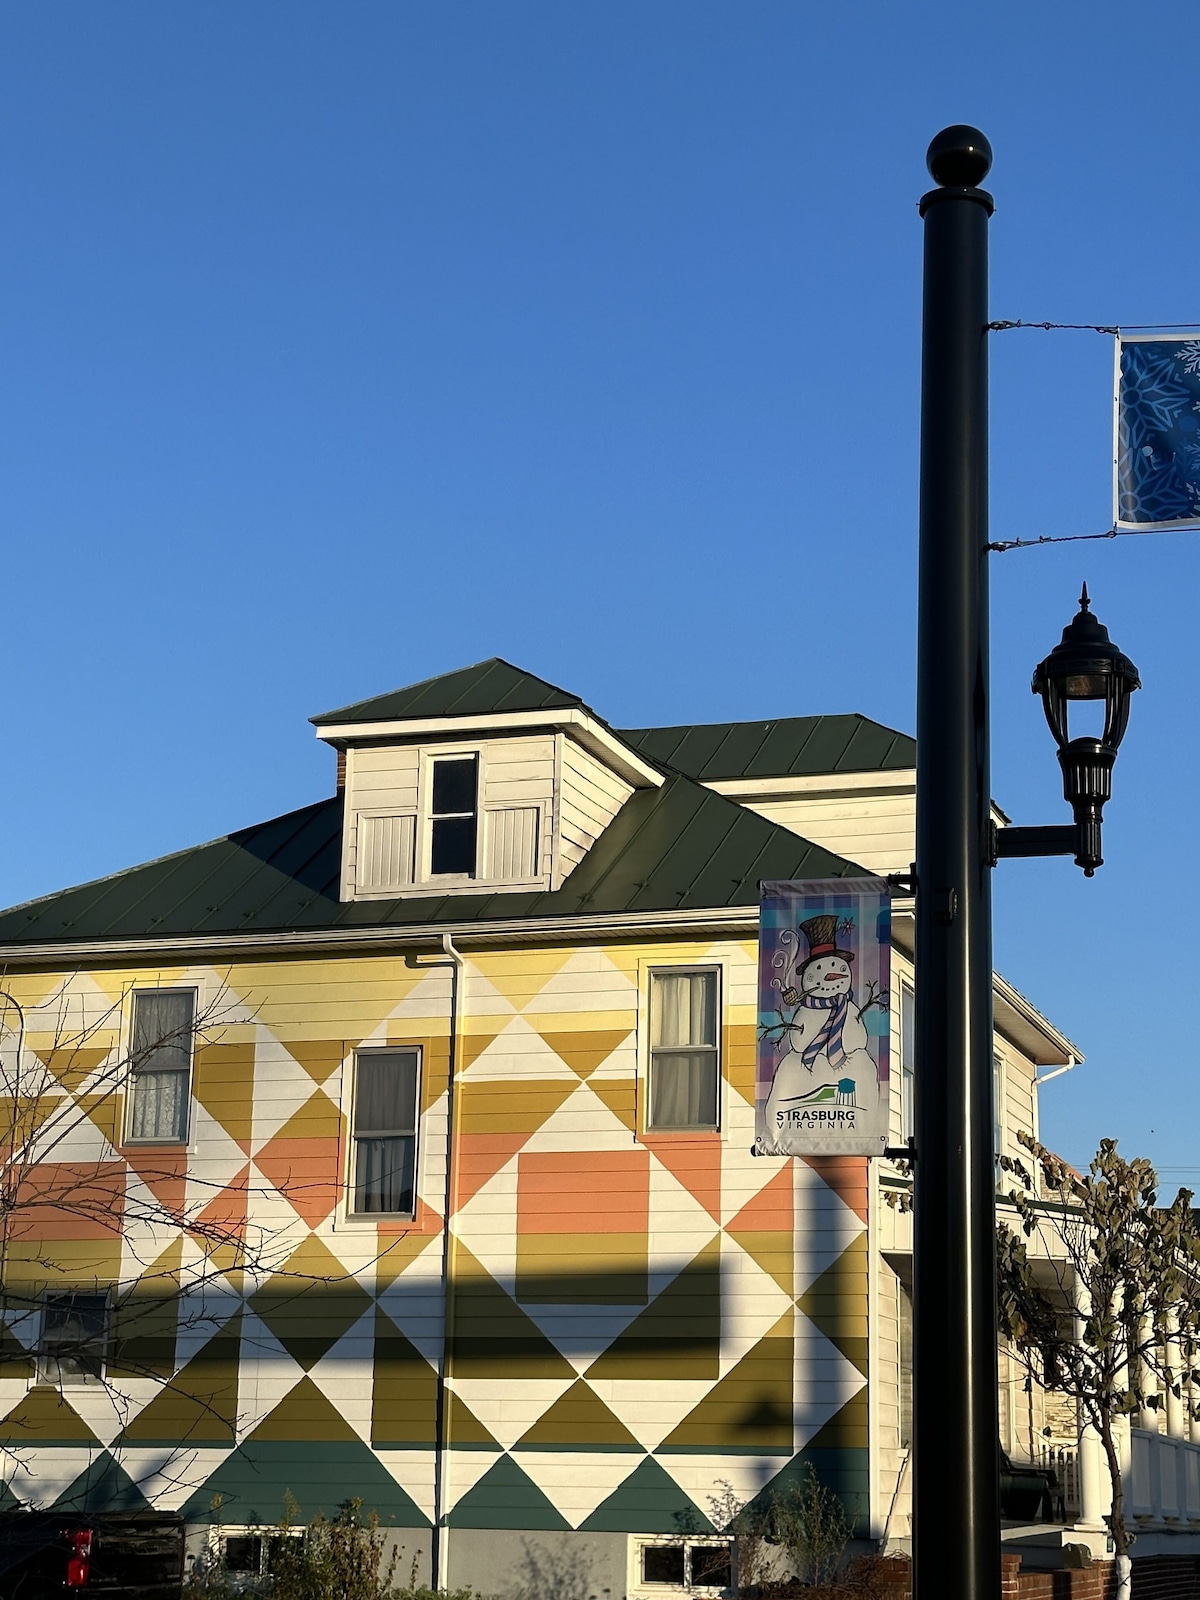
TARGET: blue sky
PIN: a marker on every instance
(342, 345)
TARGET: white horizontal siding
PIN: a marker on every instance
(591, 795)
(876, 830)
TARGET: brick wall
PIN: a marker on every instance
(1154, 1578)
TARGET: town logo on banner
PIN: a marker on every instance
(824, 977)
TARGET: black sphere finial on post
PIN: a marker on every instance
(959, 157)
(956, 1510)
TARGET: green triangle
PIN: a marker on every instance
(492, 1337)
(649, 1501)
(104, 1486)
(843, 1469)
(254, 1480)
(506, 1497)
(752, 1404)
(44, 1417)
(836, 1302)
(404, 1390)
(305, 1415)
(846, 1429)
(579, 1419)
(678, 1335)
(199, 1404)
(8, 1500)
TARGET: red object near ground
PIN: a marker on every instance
(79, 1542)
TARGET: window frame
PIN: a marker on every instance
(908, 1104)
(371, 1218)
(694, 1130)
(182, 1140)
(425, 818)
(640, 1588)
(46, 1361)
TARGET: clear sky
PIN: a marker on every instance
(344, 345)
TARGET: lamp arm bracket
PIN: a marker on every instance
(1009, 843)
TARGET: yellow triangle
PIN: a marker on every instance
(199, 1403)
(583, 1052)
(43, 1417)
(72, 1066)
(224, 1085)
(320, 1058)
(579, 1419)
(836, 1302)
(304, 1415)
(751, 1407)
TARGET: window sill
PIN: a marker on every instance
(652, 1136)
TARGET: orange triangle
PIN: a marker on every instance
(225, 1216)
(771, 1211)
(583, 1052)
(847, 1177)
(480, 1157)
(303, 1159)
(696, 1165)
(164, 1172)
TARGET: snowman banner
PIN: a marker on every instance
(1157, 447)
(824, 974)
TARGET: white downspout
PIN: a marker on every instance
(440, 1552)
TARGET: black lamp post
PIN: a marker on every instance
(956, 1492)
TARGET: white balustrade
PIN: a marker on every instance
(1163, 1484)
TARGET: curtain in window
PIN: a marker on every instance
(160, 1106)
(162, 1029)
(684, 1090)
(385, 1101)
(384, 1169)
(686, 1008)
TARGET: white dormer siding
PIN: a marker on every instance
(866, 817)
(592, 794)
(542, 802)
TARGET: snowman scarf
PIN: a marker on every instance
(829, 1036)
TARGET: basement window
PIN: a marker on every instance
(692, 1566)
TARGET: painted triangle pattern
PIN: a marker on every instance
(632, 1319)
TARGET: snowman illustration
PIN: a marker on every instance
(825, 1076)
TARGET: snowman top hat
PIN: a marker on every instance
(821, 933)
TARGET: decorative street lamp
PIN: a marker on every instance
(956, 1492)
(1084, 665)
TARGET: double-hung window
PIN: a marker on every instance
(454, 817)
(685, 1057)
(385, 1133)
(73, 1340)
(160, 1061)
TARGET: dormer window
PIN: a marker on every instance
(454, 817)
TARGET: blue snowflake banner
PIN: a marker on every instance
(1157, 482)
(824, 993)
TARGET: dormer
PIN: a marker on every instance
(487, 780)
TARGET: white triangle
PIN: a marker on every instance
(583, 1123)
(487, 1225)
(344, 1374)
(517, 1051)
(581, 1333)
(413, 1470)
(39, 1477)
(281, 1087)
(718, 1483)
(463, 1470)
(265, 1375)
(751, 1303)
(169, 1474)
(823, 1381)
(577, 1481)
(824, 1226)
(651, 1408)
(480, 997)
(508, 1408)
(679, 1227)
(415, 1304)
(589, 983)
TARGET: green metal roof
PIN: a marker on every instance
(680, 847)
(788, 747)
(489, 686)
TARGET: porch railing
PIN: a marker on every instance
(1164, 1480)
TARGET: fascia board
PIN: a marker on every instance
(1020, 1022)
(814, 784)
(587, 730)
